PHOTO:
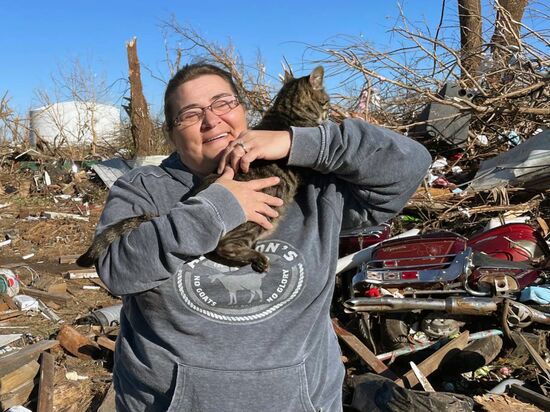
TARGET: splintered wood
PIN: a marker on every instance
(77, 344)
(363, 352)
(430, 364)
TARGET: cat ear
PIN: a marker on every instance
(288, 76)
(288, 71)
(316, 78)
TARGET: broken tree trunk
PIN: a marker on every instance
(469, 13)
(507, 26)
(141, 126)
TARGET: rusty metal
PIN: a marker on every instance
(454, 305)
(517, 315)
(525, 315)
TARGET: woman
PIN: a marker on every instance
(199, 336)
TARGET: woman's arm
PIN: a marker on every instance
(382, 168)
(151, 253)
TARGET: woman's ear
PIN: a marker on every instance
(168, 135)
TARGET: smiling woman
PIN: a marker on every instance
(198, 334)
(208, 117)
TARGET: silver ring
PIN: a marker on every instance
(242, 145)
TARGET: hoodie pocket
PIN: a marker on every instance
(269, 390)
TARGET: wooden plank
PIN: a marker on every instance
(431, 363)
(531, 396)
(50, 284)
(9, 301)
(45, 383)
(6, 339)
(362, 351)
(108, 404)
(60, 215)
(18, 377)
(10, 314)
(105, 342)
(13, 361)
(18, 396)
(60, 298)
(79, 271)
(81, 274)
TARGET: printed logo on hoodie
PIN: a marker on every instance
(241, 295)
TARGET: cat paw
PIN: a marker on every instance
(260, 264)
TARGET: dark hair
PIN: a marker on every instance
(190, 72)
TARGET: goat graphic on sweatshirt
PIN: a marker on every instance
(234, 283)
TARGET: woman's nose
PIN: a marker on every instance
(209, 120)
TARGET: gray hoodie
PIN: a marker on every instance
(197, 336)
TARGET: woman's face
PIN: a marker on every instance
(199, 145)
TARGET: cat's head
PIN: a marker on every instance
(304, 99)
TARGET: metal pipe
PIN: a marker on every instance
(454, 305)
(417, 292)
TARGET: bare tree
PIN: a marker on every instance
(12, 128)
(471, 40)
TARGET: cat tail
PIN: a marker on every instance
(88, 259)
(102, 241)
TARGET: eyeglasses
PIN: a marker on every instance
(219, 107)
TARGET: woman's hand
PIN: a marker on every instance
(257, 205)
(255, 144)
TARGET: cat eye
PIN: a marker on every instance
(219, 107)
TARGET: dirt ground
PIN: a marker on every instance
(37, 243)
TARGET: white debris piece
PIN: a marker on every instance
(439, 163)
(74, 376)
(482, 139)
(58, 215)
(26, 303)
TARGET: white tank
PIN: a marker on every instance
(74, 123)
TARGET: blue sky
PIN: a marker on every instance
(37, 38)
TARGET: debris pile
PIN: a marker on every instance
(459, 316)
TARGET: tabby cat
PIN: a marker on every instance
(301, 102)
